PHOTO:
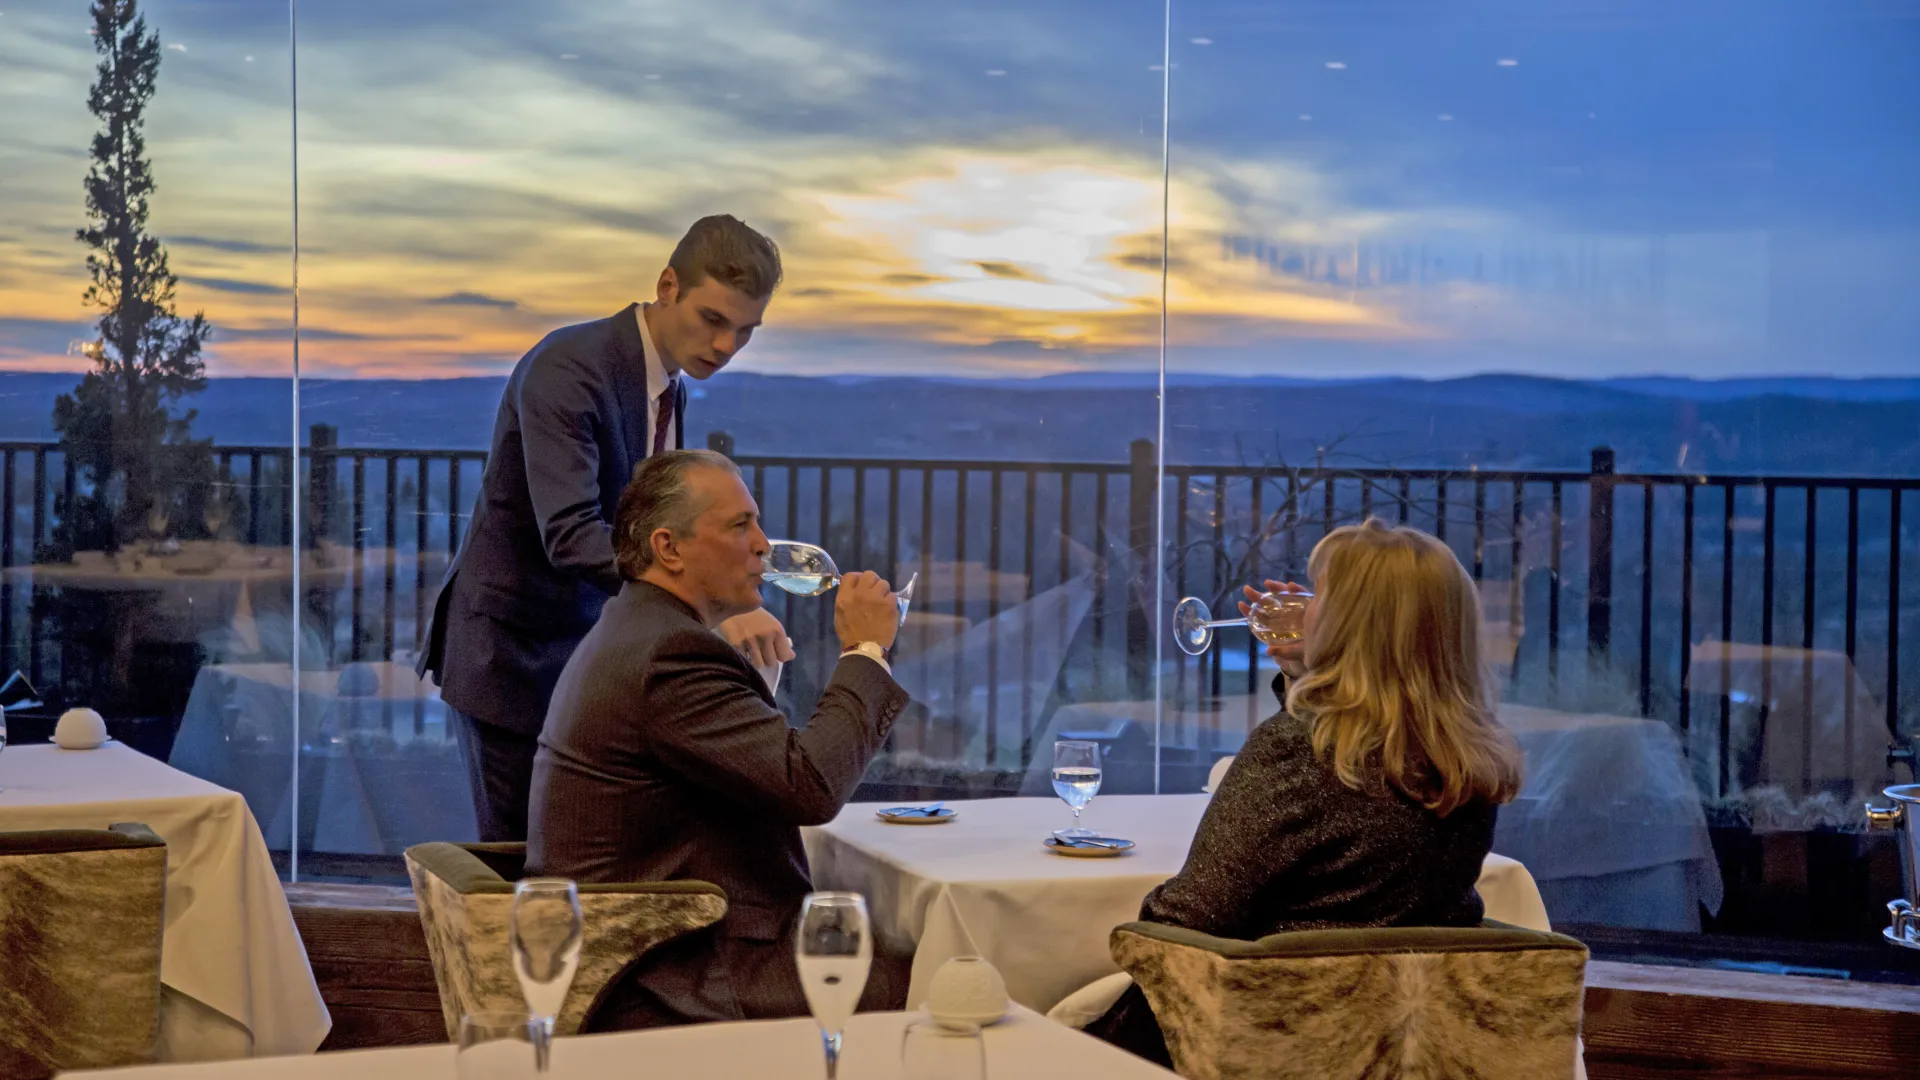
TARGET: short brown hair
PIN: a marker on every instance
(723, 248)
(658, 497)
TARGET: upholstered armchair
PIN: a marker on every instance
(1494, 1001)
(81, 911)
(465, 892)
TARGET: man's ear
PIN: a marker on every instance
(666, 551)
(667, 289)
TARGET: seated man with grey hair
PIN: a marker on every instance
(663, 756)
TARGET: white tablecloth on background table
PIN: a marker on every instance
(982, 885)
(1021, 1047)
(233, 971)
(370, 783)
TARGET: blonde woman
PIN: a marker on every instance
(1370, 800)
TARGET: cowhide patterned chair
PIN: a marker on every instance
(81, 911)
(1495, 1002)
(465, 892)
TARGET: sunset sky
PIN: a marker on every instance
(1582, 187)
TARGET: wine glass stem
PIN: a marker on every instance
(542, 1044)
(831, 1043)
(1076, 817)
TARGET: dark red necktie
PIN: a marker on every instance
(663, 415)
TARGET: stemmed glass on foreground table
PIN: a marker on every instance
(1275, 618)
(546, 934)
(807, 570)
(1076, 779)
(834, 951)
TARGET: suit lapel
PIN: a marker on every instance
(630, 385)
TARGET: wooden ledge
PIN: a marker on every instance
(1642, 1020)
(1646, 1020)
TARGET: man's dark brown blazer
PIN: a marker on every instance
(663, 758)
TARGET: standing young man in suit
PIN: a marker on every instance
(664, 758)
(579, 414)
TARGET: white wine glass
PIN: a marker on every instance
(546, 932)
(1076, 779)
(834, 950)
(497, 1046)
(1275, 618)
(942, 1050)
(807, 570)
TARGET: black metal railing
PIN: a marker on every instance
(1657, 562)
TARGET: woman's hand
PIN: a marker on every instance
(1290, 655)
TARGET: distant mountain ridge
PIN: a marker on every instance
(1822, 426)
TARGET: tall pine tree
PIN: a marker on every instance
(125, 427)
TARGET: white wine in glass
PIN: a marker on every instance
(1275, 618)
(807, 570)
(834, 950)
(546, 934)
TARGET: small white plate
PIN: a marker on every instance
(1115, 848)
(938, 817)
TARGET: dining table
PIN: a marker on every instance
(234, 976)
(982, 883)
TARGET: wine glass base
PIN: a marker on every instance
(1190, 629)
(1075, 833)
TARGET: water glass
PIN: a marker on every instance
(546, 932)
(942, 1050)
(497, 1046)
(833, 951)
(1076, 778)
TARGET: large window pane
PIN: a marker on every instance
(966, 199)
(1608, 300)
(149, 569)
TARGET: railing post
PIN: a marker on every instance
(322, 468)
(1143, 493)
(1600, 555)
(721, 443)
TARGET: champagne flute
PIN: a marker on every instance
(833, 951)
(3, 734)
(1275, 618)
(497, 1046)
(1076, 779)
(942, 1050)
(214, 514)
(807, 570)
(546, 932)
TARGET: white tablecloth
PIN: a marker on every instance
(1609, 820)
(233, 971)
(1022, 1047)
(982, 885)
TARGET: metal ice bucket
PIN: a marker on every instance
(1903, 817)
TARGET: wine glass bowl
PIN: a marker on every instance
(807, 570)
(545, 936)
(1275, 618)
(833, 951)
(798, 568)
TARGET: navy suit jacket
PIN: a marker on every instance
(536, 565)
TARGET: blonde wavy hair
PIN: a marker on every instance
(1396, 689)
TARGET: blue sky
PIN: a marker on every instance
(1429, 188)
